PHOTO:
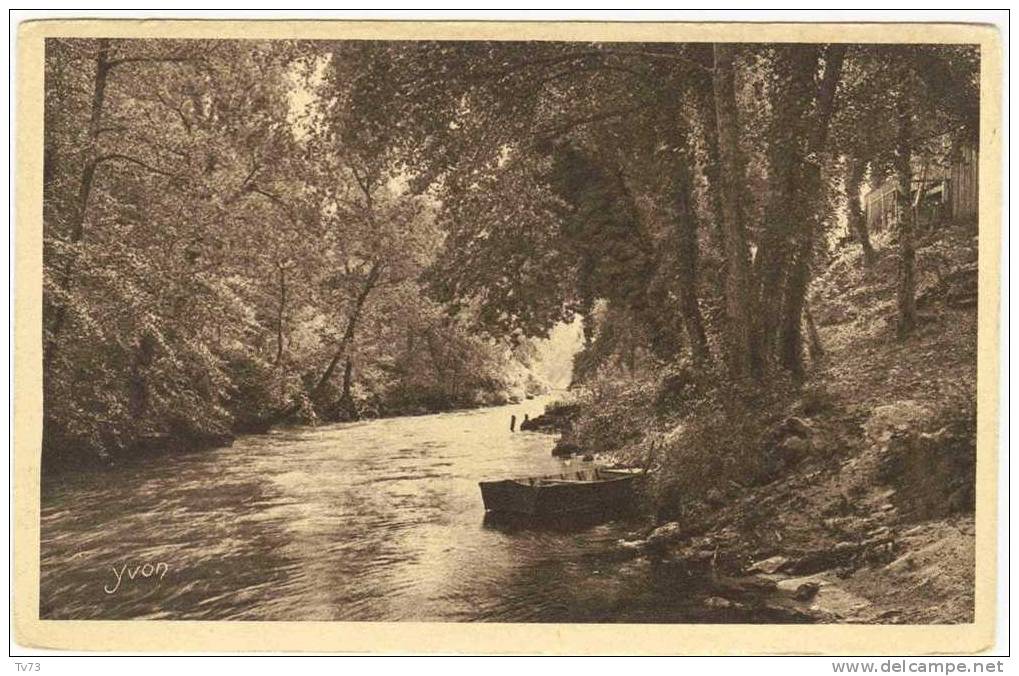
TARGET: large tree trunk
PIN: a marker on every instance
(790, 335)
(687, 228)
(741, 350)
(77, 230)
(788, 210)
(704, 100)
(654, 308)
(907, 254)
(834, 56)
(793, 213)
(811, 193)
(855, 170)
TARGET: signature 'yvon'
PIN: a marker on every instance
(145, 570)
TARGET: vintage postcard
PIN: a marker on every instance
(506, 337)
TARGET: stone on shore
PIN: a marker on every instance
(665, 535)
(769, 566)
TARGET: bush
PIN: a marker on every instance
(254, 393)
(616, 414)
(718, 439)
(713, 450)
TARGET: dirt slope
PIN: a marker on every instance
(871, 518)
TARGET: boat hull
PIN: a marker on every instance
(577, 493)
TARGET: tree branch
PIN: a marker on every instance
(566, 127)
(135, 161)
(275, 200)
(152, 59)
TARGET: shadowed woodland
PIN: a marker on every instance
(244, 234)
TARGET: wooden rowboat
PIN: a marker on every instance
(586, 490)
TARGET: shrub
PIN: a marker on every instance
(616, 413)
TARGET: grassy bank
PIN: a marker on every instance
(182, 439)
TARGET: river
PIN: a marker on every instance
(379, 520)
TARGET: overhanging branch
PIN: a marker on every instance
(135, 161)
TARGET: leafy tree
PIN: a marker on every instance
(904, 101)
(241, 233)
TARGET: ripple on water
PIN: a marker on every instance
(376, 520)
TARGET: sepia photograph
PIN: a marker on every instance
(657, 332)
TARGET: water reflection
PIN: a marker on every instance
(512, 523)
(377, 520)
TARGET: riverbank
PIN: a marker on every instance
(158, 444)
(847, 499)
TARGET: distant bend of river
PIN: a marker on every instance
(377, 521)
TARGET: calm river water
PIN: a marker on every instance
(378, 520)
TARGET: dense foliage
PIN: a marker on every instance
(223, 253)
(239, 233)
(691, 187)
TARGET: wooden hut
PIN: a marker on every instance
(948, 190)
(963, 182)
